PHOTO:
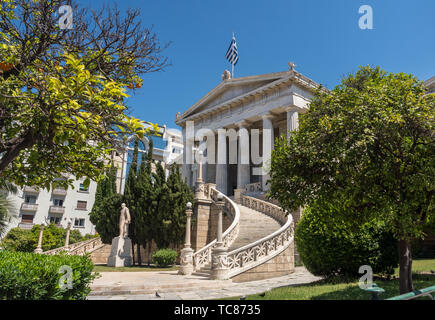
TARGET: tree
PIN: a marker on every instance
(367, 147)
(131, 195)
(178, 197)
(63, 91)
(105, 212)
(145, 230)
(6, 207)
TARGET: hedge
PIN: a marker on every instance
(164, 257)
(31, 276)
(328, 247)
(53, 237)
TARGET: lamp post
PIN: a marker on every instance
(186, 258)
(199, 184)
(68, 229)
(219, 260)
(39, 247)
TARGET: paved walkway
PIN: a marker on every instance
(170, 286)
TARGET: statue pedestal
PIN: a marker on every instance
(120, 254)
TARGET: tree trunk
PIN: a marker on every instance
(405, 263)
(149, 252)
(132, 251)
(139, 257)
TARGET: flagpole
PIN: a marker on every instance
(232, 65)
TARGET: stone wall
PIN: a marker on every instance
(205, 227)
(100, 255)
(200, 228)
(278, 266)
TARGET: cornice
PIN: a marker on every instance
(289, 76)
(292, 76)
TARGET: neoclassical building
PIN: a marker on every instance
(245, 113)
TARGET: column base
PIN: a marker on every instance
(38, 250)
(186, 262)
(238, 195)
(219, 263)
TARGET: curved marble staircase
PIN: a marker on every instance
(259, 240)
(253, 226)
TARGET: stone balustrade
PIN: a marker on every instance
(203, 256)
(78, 248)
(263, 250)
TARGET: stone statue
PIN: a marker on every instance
(124, 221)
(226, 75)
(120, 252)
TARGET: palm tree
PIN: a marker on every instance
(5, 205)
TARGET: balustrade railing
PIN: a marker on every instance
(260, 251)
(203, 256)
(78, 248)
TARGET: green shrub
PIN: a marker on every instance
(164, 257)
(26, 240)
(19, 240)
(329, 247)
(30, 276)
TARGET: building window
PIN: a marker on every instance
(30, 199)
(58, 202)
(27, 218)
(55, 220)
(79, 222)
(81, 205)
(82, 188)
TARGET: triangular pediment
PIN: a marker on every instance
(231, 89)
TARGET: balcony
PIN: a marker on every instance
(59, 192)
(30, 207)
(56, 209)
(25, 226)
(32, 190)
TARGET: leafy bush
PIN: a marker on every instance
(27, 240)
(30, 276)
(18, 239)
(164, 257)
(329, 247)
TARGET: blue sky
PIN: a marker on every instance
(321, 36)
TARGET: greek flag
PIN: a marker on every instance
(232, 55)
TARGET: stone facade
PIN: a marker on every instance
(278, 266)
(236, 124)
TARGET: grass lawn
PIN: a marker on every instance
(328, 290)
(102, 268)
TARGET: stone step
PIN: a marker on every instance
(164, 288)
(253, 226)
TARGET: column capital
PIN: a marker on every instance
(243, 124)
(269, 116)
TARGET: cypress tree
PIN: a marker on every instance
(130, 193)
(105, 211)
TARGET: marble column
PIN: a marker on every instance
(39, 246)
(219, 257)
(221, 165)
(243, 166)
(67, 234)
(268, 143)
(186, 257)
(292, 121)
